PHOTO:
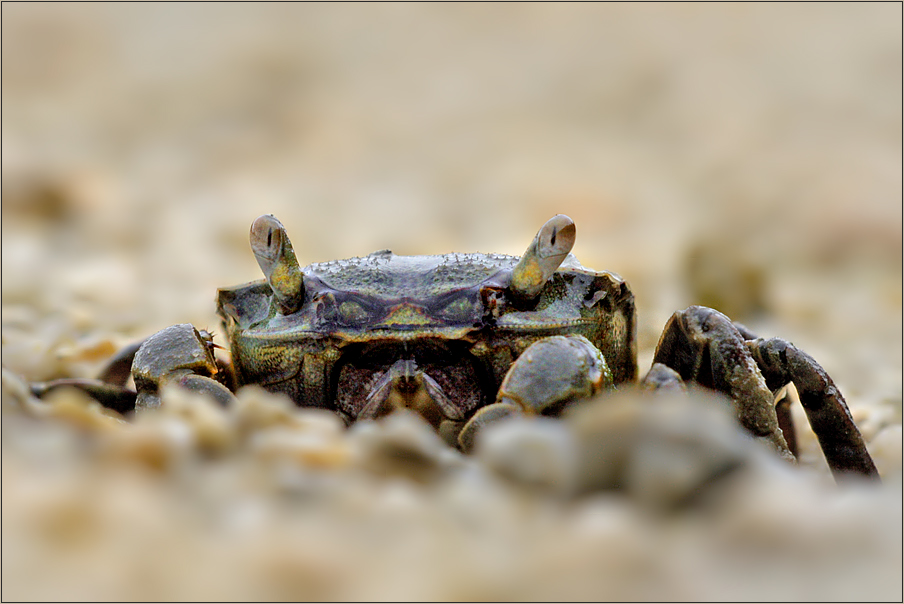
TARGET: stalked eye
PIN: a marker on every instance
(460, 309)
(352, 313)
(273, 250)
(543, 257)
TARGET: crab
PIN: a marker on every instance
(466, 340)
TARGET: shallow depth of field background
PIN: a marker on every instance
(743, 156)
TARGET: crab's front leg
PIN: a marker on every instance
(181, 355)
(702, 345)
(548, 375)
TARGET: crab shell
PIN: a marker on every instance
(452, 314)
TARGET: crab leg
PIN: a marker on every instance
(179, 354)
(119, 368)
(781, 363)
(703, 346)
(662, 379)
(786, 423)
(782, 405)
(109, 389)
(111, 396)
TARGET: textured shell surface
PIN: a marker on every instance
(389, 276)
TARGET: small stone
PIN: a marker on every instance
(257, 409)
(662, 450)
(403, 444)
(885, 450)
(534, 452)
(214, 428)
(78, 409)
(304, 447)
(154, 440)
(16, 394)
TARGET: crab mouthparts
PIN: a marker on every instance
(437, 384)
(404, 386)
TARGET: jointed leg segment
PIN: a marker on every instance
(702, 345)
(781, 362)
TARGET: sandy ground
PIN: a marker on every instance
(742, 156)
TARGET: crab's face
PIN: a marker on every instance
(337, 334)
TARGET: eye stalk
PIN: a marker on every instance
(543, 256)
(273, 250)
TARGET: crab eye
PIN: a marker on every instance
(352, 313)
(273, 250)
(543, 257)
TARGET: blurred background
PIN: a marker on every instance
(731, 155)
(743, 156)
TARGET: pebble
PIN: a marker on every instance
(886, 450)
(535, 511)
(662, 450)
(534, 452)
(307, 448)
(401, 444)
(213, 427)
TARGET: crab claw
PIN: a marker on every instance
(543, 256)
(179, 354)
(273, 250)
(552, 373)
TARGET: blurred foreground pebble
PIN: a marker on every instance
(658, 498)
